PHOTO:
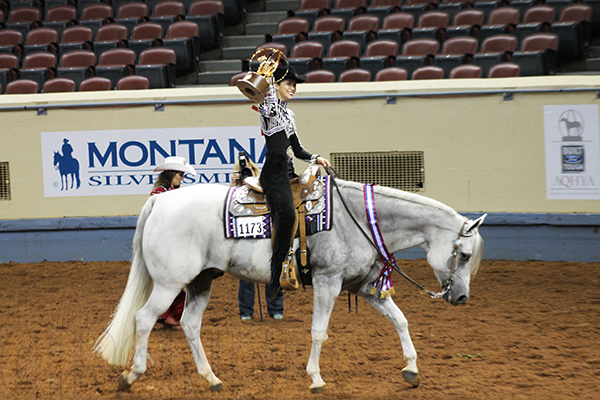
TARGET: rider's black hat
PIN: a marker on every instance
(288, 73)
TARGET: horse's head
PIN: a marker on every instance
(455, 260)
(56, 158)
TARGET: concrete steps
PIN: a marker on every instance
(239, 42)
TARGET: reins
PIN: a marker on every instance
(434, 295)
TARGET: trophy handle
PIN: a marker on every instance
(255, 84)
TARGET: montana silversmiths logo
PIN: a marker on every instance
(571, 125)
(67, 166)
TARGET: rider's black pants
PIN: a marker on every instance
(276, 185)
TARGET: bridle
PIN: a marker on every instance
(446, 285)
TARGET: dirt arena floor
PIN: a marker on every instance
(531, 330)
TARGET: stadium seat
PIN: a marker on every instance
(77, 65)
(487, 6)
(182, 37)
(41, 39)
(536, 20)
(343, 55)
(209, 16)
(466, 23)
(327, 30)
(11, 41)
(167, 12)
(537, 55)
(432, 25)
(60, 17)
(355, 75)
(383, 8)
(110, 37)
(96, 15)
(418, 7)
(428, 72)
(23, 19)
(453, 7)
(380, 54)
(494, 50)
(456, 51)
(115, 64)
(22, 86)
(417, 53)
(466, 71)
(310, 10)
(76, 38)
(522, 5)
(503, 20)
(346, 9)
(559, 5)
(362, 29)
(9, 65)
(158, 65)
(145, 36)
(38, 67)
(397, 27)
(504, 70)
(391, 74)
(95, 84)
(574, 31)
(291, 31)
(58, 85)
(306, 56)
(133, 82)
(131, 14)
(320, 76)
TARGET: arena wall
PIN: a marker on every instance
(483, 144)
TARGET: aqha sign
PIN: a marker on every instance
(121, 162)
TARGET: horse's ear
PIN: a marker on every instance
(472, 224)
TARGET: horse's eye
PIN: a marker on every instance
(465, 257)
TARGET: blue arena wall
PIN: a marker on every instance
(507, 236)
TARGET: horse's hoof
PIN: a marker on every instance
(317, 389)
(123, 386)
(216, 388)
(411, 377)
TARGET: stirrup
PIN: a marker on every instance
(288, 279)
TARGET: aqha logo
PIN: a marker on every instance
(67, 166)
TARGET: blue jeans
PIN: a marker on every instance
(246, 293)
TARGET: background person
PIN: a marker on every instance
(172, 173)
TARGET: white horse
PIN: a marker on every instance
(179, 243)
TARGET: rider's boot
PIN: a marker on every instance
(288, 279)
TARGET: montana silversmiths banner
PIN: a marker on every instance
(572, 152)
(121, 162)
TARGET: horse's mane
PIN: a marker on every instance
(402, 195)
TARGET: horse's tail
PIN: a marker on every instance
(117, 344)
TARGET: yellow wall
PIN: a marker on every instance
(481, 153)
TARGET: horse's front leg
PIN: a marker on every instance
(325, 291)
(198, 294)
(387, 307)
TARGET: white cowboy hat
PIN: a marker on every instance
(176, 164)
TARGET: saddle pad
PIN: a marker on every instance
(239, 226)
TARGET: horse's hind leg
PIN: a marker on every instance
(198, 294)
(387, 307)
(159, 301)
(324, 297)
